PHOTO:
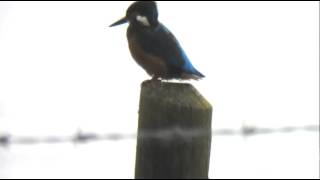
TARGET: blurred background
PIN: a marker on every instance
(69, 89)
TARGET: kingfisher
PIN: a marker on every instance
(153, 46)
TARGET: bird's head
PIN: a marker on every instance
(144, 13)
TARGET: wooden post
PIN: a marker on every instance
(174, 132)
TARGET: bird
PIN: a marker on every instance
(153, 46)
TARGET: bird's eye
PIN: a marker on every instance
(143, 20)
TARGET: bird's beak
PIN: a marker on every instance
(121, 21)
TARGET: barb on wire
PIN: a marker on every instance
(167, 134)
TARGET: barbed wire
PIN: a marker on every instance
(167, 134)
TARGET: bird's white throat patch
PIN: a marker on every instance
(143, 20)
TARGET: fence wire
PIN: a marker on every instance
(167, 134)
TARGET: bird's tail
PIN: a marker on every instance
(195, 75)
(199, 74)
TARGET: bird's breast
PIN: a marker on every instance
(151, 63)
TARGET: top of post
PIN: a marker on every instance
(183, 94)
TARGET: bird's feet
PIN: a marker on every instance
(155, 79)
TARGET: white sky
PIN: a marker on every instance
(62, 68)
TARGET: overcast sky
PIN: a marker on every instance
(62, 68)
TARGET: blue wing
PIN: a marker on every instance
(160, 42)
